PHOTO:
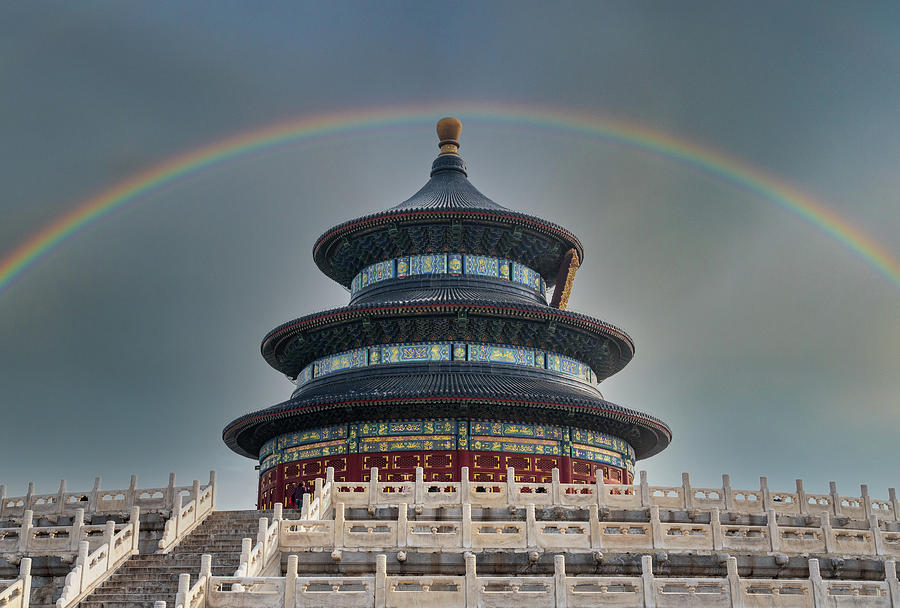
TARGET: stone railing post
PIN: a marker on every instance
(600, 488)
(380, 581)
(109, 532)
(774, 536)
(727, 492)
(890, 577)
(559, 580)
(205, 565)
(329, 476)
(835, 498)
(246, 547)
(319, 488)
(25, 531)
(84, 549)
(212, 485)
(464, 490)
(472, 582)
(827, 532)
(402, 525)
(261, 539)
(866, 501)
(734, 583)
(278, 512)
(195, 495)
(895, 504)
(373, 486)
(176, 513)
(184, 584)
(25, 575)
(339, 526)
(290, 582)
(170, 492)
(510, 486)
(802, 499)
(77, 529)
(131, 495)
(304, 507)
(596, 530)
(715, 524)
(656, 535)
(645, 490)
(647, 586)
(2, 501)
(420, 486)
(687, 495)
(467, 525)
(530, 527)
(820, 598)
(766, 495)
(319, 493)
(94, 498)
(61, 497)
(555, 490)
(135, 522)
(29, 496)
(876, 535)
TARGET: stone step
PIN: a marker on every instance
(169, 600)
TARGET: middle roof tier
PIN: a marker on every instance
(438, 316)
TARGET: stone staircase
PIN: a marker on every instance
(145, 579)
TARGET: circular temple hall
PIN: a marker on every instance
(455, 350)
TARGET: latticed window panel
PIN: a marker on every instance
(406, 461)
(438, 461)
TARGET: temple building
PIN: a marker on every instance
(449, 422)
(451, 353)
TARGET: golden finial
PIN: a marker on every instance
(448, 130)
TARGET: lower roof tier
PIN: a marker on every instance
(606, 349)
(476, 390)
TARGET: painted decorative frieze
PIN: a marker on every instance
(454, 264)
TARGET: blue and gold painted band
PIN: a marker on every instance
(446, 434)
(454, 264)
(445, 351)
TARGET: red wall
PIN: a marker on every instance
(280, 481)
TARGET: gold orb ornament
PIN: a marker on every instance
(448, 130)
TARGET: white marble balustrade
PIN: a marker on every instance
(818, 537)
(94, 501)
(29, 539)
(558, 590)
(507, 493)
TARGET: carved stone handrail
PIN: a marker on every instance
(186, 517)
(16, 593)
(265, 556)
(92, 568)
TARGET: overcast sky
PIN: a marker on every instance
(768, 347)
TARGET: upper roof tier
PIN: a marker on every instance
(448, 214)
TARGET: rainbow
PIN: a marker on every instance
(53, 235)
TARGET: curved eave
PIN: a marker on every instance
(324, 244)
(241, 437)
(277, 339)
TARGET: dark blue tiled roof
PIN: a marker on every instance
(449, 188)
(441, 389)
